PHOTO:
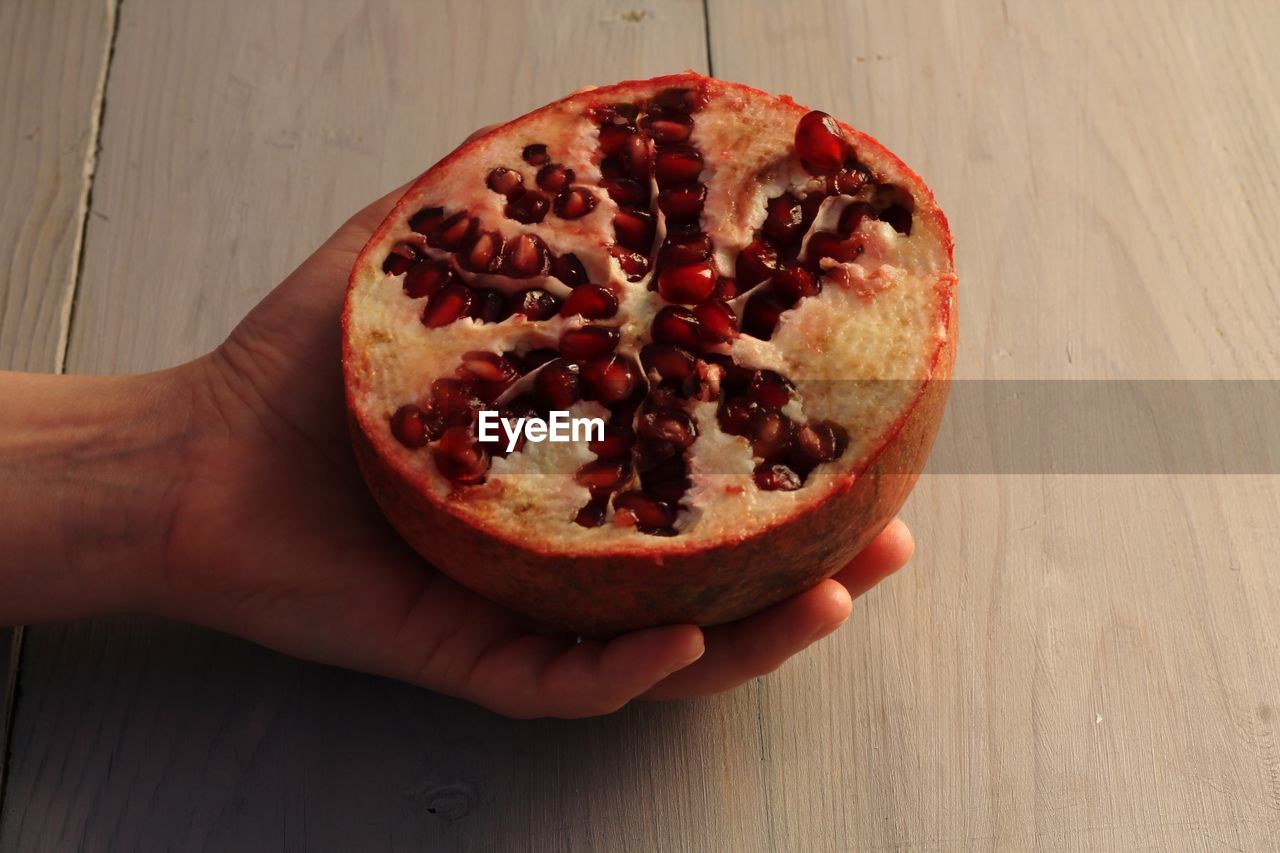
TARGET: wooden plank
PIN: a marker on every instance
(54, 65)
(1073, 662)
(238, 136)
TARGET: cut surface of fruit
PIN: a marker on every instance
(755, 300)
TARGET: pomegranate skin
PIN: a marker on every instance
(602, 596)
(602, 593)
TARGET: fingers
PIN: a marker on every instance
(885, 554)
(761, 643)
(534, 676)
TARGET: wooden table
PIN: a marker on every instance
(1073, 662)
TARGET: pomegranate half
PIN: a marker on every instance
(756, 300)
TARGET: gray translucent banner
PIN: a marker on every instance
(1109, 427)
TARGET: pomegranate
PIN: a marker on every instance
(755, 300)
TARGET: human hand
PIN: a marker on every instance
(268, 532)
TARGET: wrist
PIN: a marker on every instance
(92, 467)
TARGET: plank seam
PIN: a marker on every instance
(88, 174)
(6, 709)
(706, 34)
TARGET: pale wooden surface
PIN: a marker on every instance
(1073, 662)
(51, 82)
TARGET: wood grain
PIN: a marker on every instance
(237, 137)
(1072, 662)
(51, 78)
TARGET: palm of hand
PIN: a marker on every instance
(276, 539)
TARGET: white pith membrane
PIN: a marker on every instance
(859, 352)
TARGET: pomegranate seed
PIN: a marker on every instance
(626, 192)
(890, 195)
(591, 515)
(669, 491)
(590, 301)
(448, 304)
(669, 362)
(634, 264)
(634, 229)
(609, 379)
(486, 366)
(400, 259)
(535, 304)
(679, 251)
(667, 129)
(678, 164)
(615, 113)
(784, 220)
(484, 254)
(603, 474)
(830, 244)
(569, 270)
(612, 168)
(553, 177)
(614, 139)
(575, 203)
(533, 358)
(535, 155)
(760, 316)
(524, 256)
(489, 373)
(670, 425)
(756, 263)
(777, 478)
(770, 389)
(426, 219)
(726, 289)
(453, 233)
(409, 426)
(735, 379)
(557, 386)
(453, 401)
(686, 200)
(848, 181)
(645, 510)
(681, 101)
(665, 395)
(667, 481)
(529, 208)
(490, 307)
(587, 342)
(688, 284)
(426, 278)
(898, 217)
(769, 433)
(504, 181)
(735, 415)
(639, 163)
(676, 325)
(793, 283)
(716, 322)
(820, 144)
(617, 441)
(818, 442)
(853, 215)
(460, 458)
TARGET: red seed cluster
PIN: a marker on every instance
(640, 470)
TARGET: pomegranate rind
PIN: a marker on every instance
(627, 580)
